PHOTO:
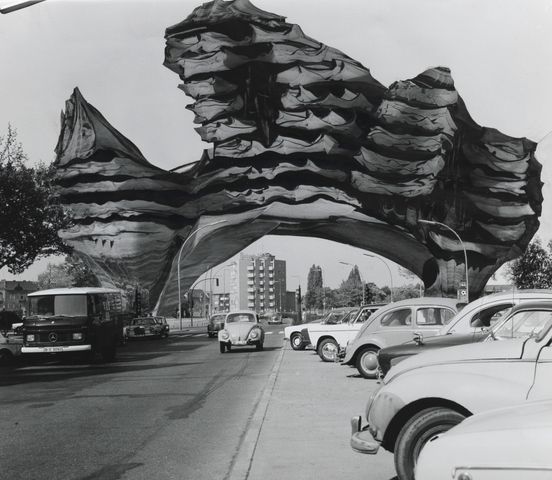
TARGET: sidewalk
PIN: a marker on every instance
(303, 431)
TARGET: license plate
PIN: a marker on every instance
(52, 349)
(240, 342)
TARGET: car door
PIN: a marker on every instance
(395, 327)
(430, 320)
(541, 348)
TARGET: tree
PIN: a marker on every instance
(534, 268)
(30, 212)
(72, 273)
(314, 298)
(350, 291)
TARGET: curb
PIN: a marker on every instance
(241, 464)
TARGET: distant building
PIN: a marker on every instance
(13, 294)
(257, 282)
(498, 288)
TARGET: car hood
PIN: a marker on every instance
(239, 329)
(530, 415)
(504, 349)
(430, 343)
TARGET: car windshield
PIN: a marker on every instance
(217, 318)
(240, 318)
(523, 324)
(334, 317)
(143, 321)
(58, 305)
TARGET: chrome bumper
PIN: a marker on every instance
(69, 348)
(362, 440)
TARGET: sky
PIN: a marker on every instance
(499, 52)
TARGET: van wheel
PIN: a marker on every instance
(296, 341)
(6, 357)
(110, 352)
(367, 362)
(417, 432)
(328, 349)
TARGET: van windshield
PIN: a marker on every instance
(58, 305)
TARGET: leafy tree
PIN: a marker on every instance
(72, 273)
(314, 298)
(30, 212)
(534, 268)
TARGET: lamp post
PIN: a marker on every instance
(388, 269)
(433, 222)
(178, 264)
(361, 280)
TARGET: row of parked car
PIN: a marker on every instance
(493, 353)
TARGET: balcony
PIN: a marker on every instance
(250, 290)
(271, 297)
(250, 282)
(251, 297)
(271, 282)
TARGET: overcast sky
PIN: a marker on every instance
(499, 51)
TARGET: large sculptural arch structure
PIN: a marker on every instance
(305, 142)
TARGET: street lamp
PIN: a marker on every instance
(388, 269)
(432, 222)
(178, 264)
(361, 280)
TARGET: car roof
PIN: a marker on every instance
(73, 291)
(544, 305)
(250, 312)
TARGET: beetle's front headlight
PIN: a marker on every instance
(254, 334)
(224, 335)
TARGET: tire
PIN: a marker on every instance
(417, 432)
(222, 347)
(296, 341)
(328, 349)
(259, 346)
(367, 362)
(110, 352)
(6, 357)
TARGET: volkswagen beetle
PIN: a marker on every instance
(241, 329)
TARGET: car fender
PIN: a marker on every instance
(469, 389)
(371, 340)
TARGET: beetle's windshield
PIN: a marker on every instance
(240, 317)
(528, 323)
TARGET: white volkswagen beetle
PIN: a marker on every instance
(241, 329)
(508, 443)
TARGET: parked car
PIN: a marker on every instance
(472, 324)
(216, 323)
(10, 346)
(396, 323)
(328, 338)
(148, 327)
(508, 443)
(274, 318)
(241, 329)
(293, 333)
(429, 393)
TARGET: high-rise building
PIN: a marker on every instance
(258, 282)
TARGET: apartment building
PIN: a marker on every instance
(257, 282)
(13, 294)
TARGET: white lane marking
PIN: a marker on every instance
(199, 335)
(269, 333)
(281, 331)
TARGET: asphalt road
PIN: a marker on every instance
(167, 409)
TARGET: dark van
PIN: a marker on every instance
(67, 320)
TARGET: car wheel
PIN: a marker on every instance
(222, 347)
(296, 341)
(328, 349)
(417, 432)
(367, 362)
(6, 357)
(109, 352)
(259, 346)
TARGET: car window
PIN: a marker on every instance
(240, 318)
(397, 318)
(364, 315)
(488, 316)
(524, 324)
(433, 316)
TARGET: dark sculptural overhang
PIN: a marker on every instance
(305, 142)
